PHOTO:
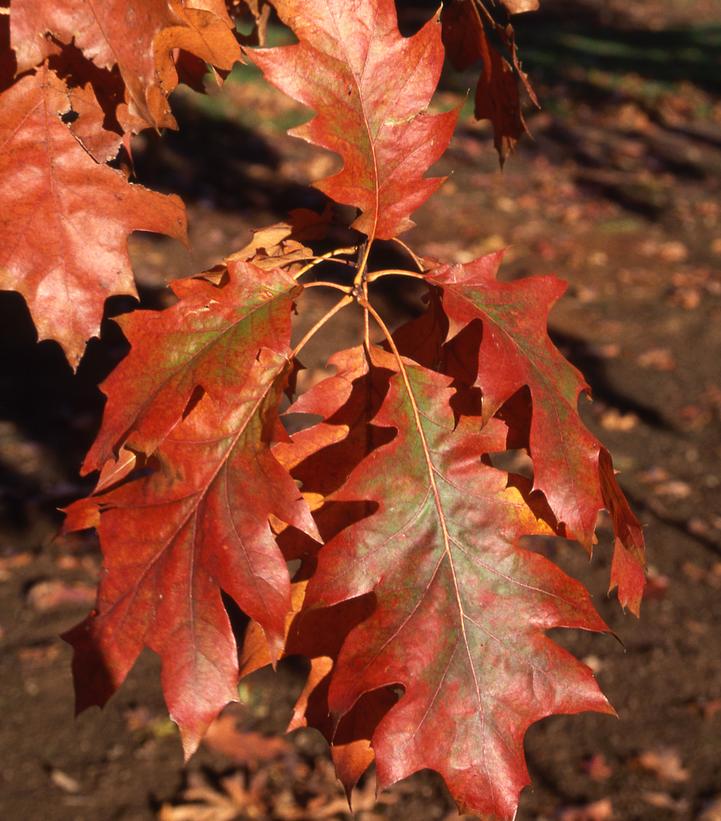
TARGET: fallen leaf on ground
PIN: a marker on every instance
(614, 420)
(248, 748)
(14, 562)
(664, 801)
(659, 359)
(38, 656)
(55, 594)
(665, 764)
(64, 781)
(597, 811)
(712, 811)
(674, 489)
(598, 767)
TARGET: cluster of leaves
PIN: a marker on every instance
(414, 593)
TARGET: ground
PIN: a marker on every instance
(617, 192)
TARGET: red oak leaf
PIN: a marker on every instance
(210, 339)
(571, 467)
(67, 217)
(370, 88)
(317, 635)
(497, 93)
(136, 35)
(460, 608)
(113, 32)
(197, 522)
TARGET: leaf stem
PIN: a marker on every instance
(323, 284)
(393, 272)
(360, 281)
(338, 252)
(342, 302)
(411, 253)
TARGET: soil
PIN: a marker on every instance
(619, 193)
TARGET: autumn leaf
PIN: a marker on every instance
(497, 95)
(571, 468)
(196, 520)
(206, 32)
(136, 35)
(460, 608)
(114, 32)
(210, 339)
(66, 215)
(370, 88)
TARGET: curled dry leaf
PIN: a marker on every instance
(467, 25)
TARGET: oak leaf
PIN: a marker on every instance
(138, 36)
(195, 520)
(208, 340)
(497, 95)
(370, 88)
(113, 32)
(571, 467)
(460, 607)
(66, 215)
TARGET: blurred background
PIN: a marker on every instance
(619, 192)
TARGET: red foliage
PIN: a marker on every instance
(417, 597)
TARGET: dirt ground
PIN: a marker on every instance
(619, 192)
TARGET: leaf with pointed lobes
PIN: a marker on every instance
(210, 339)
(67, 217)
(497, 94)
(370, 88)
(460, 608)
(204, 30)
(136, 35)
(318, 635)
(571, 468)
(113, 32)
(195, 525)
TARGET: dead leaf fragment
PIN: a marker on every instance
(596, 811)
(598, 767)
(55, 594)
(249, 749)
(665, 764)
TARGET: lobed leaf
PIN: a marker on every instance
(196, 520)
(571, 468)
(460, 607)
(136, 35)
(118, 32)
(210, 339)
(370, 88)
(497, 96)
(67, 215)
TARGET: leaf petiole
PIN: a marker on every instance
(393, 272)
(323, 284)
(338, 252)
(342, 302)
(411, 253)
